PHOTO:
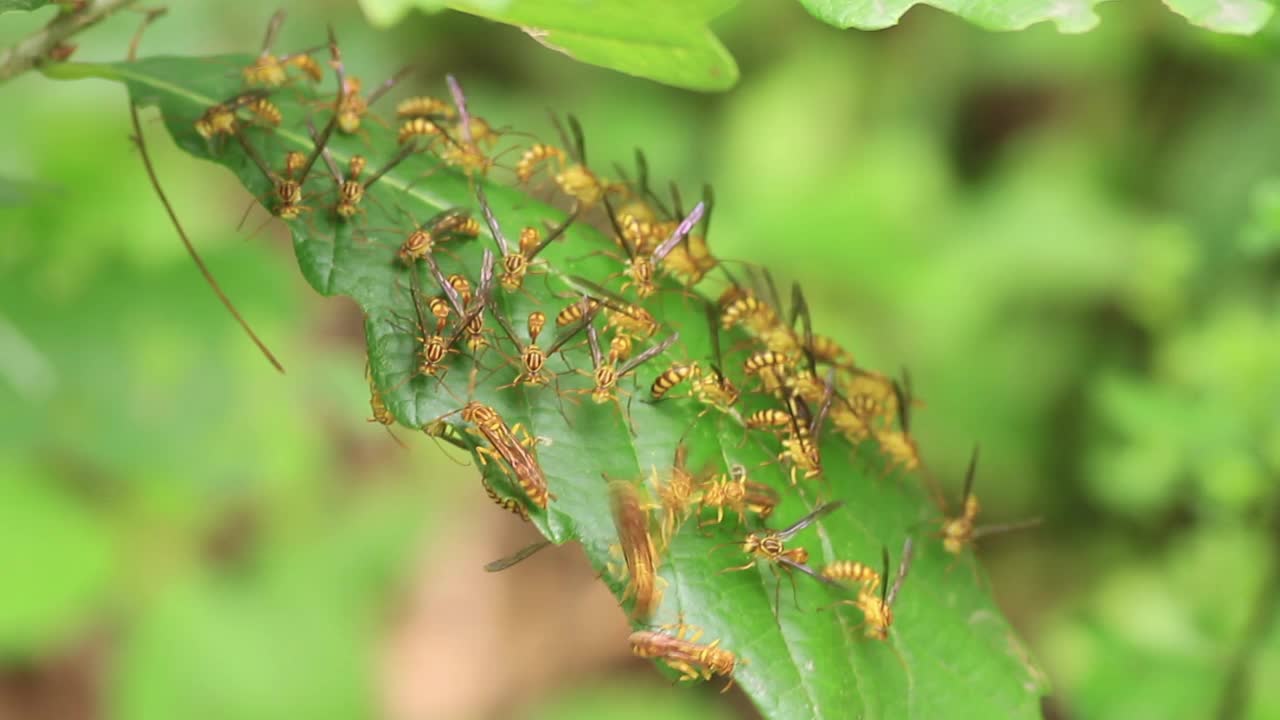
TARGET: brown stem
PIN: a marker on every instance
(35, 48)
(173, 216)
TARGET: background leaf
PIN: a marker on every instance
(1236, 17)
(1070, 17)
(950, 653)
(22, 5)
(666, 42)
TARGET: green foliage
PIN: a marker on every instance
(1236, 17)
(21, 5)
(41, 527)
(663, 41)
(950, 652)
(18, 192)
(1072, 17)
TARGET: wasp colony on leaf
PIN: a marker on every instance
(776, 404)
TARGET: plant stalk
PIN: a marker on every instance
(36, 48)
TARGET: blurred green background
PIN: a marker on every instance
(1073, 242)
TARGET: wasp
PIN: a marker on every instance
(897, 444)
(351, 189)
(516, 263)
(800, 447)
(640, 268)
(509, 504)
(458, 291)
(221, 119)
(620, 315)
(422, 240)
(632, 523)
(737, 494)
(877, 610)
(852, 571)
(435, 347)
(768, 418)
(867, 402)
(682, 653)
(378, 407)
(771, 367)
(770, 545)
(574, 311)
(676, 494)
(352, 106)
(607, 372)
(677, 373)
(417, 127)
(503, 444)
(423, 106)
(740, 306)
(286, 187)
(712, 387)
(959, 532)
(474, 132)
(532, 357)
(271, 70)
(574, 179)
(692, 260)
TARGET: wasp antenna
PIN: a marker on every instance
(389, 83)
(140, 141)
(968, 476)
(884, 574)
(709, 200)
(579, 139)
(676, 203)
(273, 28)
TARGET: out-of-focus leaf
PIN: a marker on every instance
(22, 5)
(668, 42)
(55, 562)
(1236, 17)
(1071, 16)
(297, 635)
(1261, 234)
(1152, 638)
(19, 192)
(950, 652)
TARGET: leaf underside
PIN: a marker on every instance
(950, 652)
(21, 5)
(666, 42)
(1070, 16)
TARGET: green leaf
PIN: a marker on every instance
(55, 562)
(1072, 16)
(950, 652)
(1236, 17)
(663, 41)
(20, 192)
(21, 5)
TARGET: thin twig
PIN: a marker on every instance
(1233, 701)
(35, 48)
(186, 241)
